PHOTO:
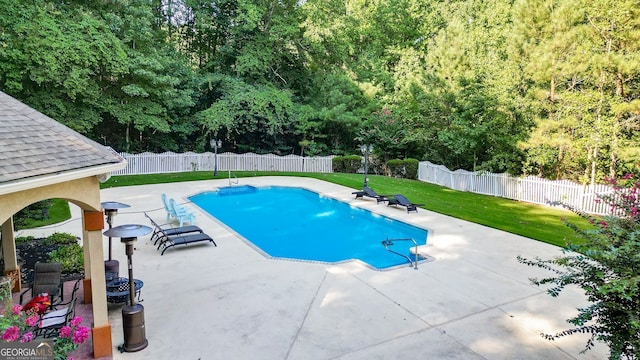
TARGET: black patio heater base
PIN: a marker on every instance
(133, 326)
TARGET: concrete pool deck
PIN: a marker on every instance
(473, 301)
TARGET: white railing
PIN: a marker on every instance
(168, 162)
(529, 189)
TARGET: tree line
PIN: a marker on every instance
(543, 87)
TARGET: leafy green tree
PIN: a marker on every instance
(580, 58)
(154, 95)
(607, 267)
(387, 134)
(341, 108)
(611, 36)
(252, 117)
(459, 94)
(481, 85)
(58, 58)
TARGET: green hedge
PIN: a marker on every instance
(338, 164)
(407, 168)
(411, 168)
(395, 168)
(347, 163)
(352, 163)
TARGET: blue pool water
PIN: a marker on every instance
(295, 223)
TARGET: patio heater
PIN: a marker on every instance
(132, 313)
(366, 150)
(112, 266)
(215, 144)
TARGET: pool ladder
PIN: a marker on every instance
(389, 242)
(233, 182)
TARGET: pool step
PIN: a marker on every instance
(234, 190)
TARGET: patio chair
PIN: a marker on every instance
(171, 241)
(47, 278)
(61, 314)
(181, 214)
(162, 231)
(367, 191)
(165, 202)
(399, 199)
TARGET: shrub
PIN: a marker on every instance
(70, 256)
(60, 239)
(24, 239)
(352, 163)
(395, 167)
(411, 168)
(338, 164)
(16, 325)
(606, 266)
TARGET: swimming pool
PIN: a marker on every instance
(296, 223)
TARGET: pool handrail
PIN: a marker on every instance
(389, 242)
(234, 175)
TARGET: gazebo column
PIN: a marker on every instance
(94, 275)
(9, 250)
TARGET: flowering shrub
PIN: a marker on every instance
(17, 325)
(70, 337)
(387, 133)
(606, 265)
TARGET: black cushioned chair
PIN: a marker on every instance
(399, 199)
(168, 241)
(368, 192)
(161, 232)
(47, 278)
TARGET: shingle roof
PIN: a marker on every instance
(33, 144)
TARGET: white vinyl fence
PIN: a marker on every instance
(529, 189)
(168, 162)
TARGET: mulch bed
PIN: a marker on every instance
(29, 253)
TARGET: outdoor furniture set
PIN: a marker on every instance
(48, 300)
(166, 236)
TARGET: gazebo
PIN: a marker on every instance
(42, 159)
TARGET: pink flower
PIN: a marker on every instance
(75, 321)
(32, 321)
(65, 332)
(28, 336)
(80, 335)
(12, 333)
(604, 223)
(16, 309)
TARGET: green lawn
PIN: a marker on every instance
(58, 211)
(533, 221)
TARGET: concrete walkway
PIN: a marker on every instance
(473, 301)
